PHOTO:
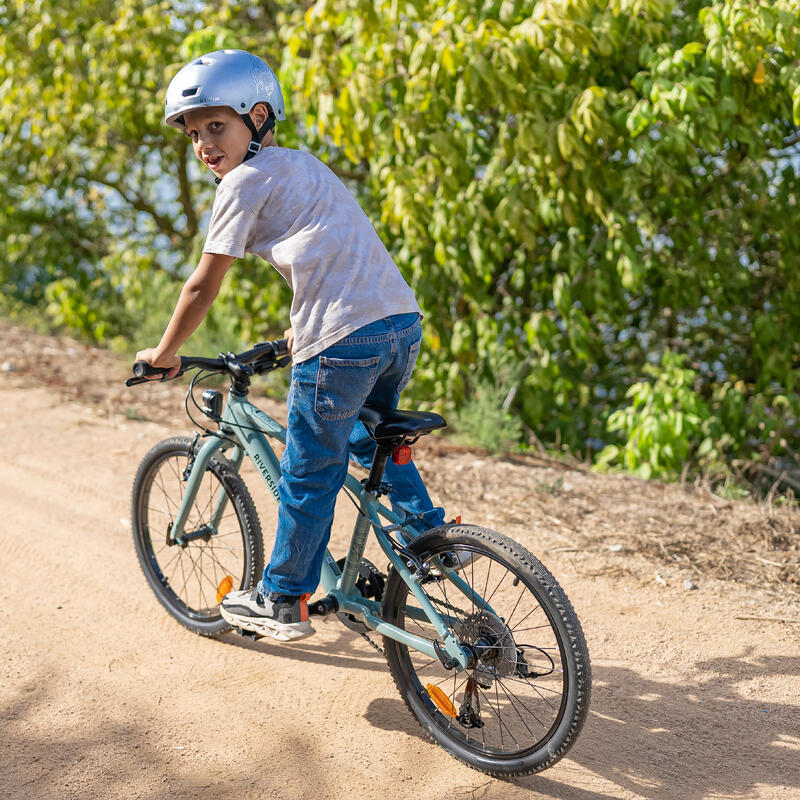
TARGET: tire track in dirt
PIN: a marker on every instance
(109, 697)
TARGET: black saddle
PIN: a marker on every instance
(390, 426)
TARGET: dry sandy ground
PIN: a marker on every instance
(102, 695)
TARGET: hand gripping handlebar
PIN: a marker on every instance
(263, 357)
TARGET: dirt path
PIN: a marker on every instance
(102, 695)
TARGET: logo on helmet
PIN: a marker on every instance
(262, 80)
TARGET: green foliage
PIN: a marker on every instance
(483, 421)
(662, 423)
(568, 185)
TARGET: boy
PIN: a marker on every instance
(355, 324)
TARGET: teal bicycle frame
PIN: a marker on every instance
(250, 426)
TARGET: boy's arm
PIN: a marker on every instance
(197, 296)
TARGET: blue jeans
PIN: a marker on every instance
(371, 365)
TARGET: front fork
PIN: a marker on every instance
(196, 468)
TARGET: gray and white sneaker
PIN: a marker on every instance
(282, 617)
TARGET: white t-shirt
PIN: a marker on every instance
(288, 208)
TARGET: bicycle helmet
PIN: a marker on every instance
(233, 78)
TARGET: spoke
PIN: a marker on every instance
(446, 678)
(167, 498)
(538, 607)
(513, 705)
(500, 718)
(183, 573)
(214, 560)
(203, 598)
(486, 585)
(534, 686)
(178, 561)
(453, 695)
(452, 607)
(193, 573)
(472, 587)
(513, 696)
(494, 591)
(497, 712)
(201, 514)
(513, 610)
(426, 665)
(534, 628)
(174, 469)
(198, 573)
(169, 562)
(225, 548)
(536, 689)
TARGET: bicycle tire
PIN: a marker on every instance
(171, 570)
(504, 666)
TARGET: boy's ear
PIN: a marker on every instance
(259, 114)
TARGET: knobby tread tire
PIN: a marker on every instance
(247, 517)
(576, 657)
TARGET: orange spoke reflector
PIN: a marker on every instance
(442, 700)
(225, 586)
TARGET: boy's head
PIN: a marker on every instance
(220, 138)
(227, 102)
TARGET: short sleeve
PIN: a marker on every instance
(232, 222)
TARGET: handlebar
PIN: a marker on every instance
(261, 358)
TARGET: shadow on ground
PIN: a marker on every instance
(87, 756)
(669, 741)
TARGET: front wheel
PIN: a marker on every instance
(224, 549)
(523, 699)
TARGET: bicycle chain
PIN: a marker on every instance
(377, 647)
(373, 644)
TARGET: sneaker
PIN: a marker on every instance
(283, 617)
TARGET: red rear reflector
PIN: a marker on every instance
(401, 455)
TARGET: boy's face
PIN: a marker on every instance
(219, 137)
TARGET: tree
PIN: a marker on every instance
(572, 187)
(103, 202)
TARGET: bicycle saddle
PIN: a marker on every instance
(390, 423)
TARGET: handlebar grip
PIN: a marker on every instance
(141, 369)
(281, 347)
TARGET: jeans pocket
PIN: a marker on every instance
(413, 352)
(343, 385)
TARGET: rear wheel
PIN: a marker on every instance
(190, 580)
(521, 703)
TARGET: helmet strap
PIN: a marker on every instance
(257, 134)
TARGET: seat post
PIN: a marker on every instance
(382, 453)
(352, 563)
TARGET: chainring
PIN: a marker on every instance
(371, 583)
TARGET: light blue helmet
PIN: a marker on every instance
(233, 78)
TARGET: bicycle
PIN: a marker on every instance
(481, 641)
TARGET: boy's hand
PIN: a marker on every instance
(155, 359)
(288, 334)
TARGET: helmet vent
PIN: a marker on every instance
(190, 92)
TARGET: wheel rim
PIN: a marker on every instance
(190, 576)
(510, 634)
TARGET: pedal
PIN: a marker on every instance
(324, 606)
(247, 634)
